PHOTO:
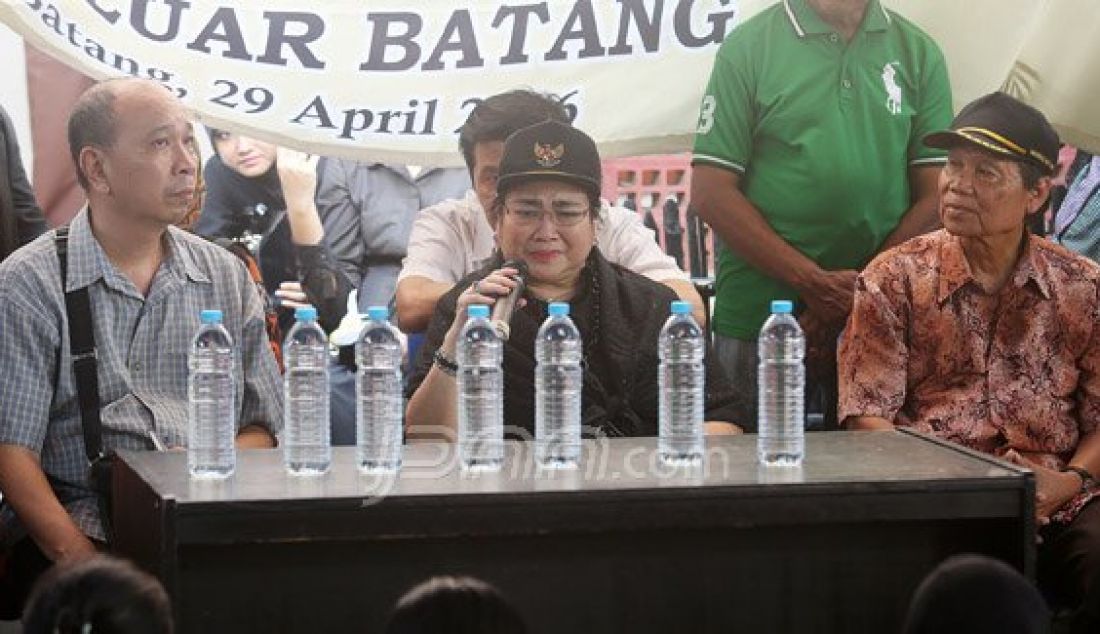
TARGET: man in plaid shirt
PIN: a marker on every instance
(147, 281)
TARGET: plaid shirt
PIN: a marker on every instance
(142, 344)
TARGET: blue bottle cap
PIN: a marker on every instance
(680, 307)
(378, 313)
(558, 309)
(211, 316)
(477, 310)
(305, 313)
(782, 306)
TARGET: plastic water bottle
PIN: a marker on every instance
(782, 383)
(558, 383)
(307, 440)
(681, 379)
(480, 393)
(379, 402)
(211, 407)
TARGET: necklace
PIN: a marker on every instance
(556, 297)
(585, 302)
(585, 298)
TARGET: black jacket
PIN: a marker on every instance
(235, 205)
(620, 396)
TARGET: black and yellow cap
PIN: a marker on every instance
(553, 150)
(1006, 126)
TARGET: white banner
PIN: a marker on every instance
(392, 80)
(1043, 52)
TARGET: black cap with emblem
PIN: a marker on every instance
(550, 149)
(1004, 126)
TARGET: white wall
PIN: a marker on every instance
(13, 91)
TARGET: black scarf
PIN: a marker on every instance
(620, 315)
(606, 406)
(236, 203)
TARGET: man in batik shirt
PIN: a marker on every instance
(989, 337)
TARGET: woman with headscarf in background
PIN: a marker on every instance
(263, 196)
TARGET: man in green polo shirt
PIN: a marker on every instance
(808, 161)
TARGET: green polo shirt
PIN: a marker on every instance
(823, 133)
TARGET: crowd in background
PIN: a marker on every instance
(809, 203)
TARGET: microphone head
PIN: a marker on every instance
(519, 265)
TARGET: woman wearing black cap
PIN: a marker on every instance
(545, 214)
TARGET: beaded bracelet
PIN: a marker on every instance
(449, 367)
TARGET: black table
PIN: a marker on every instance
(622, 545)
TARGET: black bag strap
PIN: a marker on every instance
(78, 309)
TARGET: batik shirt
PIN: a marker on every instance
(927, 348)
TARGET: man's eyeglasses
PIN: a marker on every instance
(562, 214)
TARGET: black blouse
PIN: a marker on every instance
(620, 315)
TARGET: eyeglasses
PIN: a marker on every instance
(563, 214)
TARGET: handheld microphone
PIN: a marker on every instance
(504, 307)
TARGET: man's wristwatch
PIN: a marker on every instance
(1087, 480)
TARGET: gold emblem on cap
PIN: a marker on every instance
(547, 155)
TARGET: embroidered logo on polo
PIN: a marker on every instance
(893, 90)
(547, 155)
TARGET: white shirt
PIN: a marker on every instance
(452, 239)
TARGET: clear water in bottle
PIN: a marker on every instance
(681, 380)
(782, 384)
(307, 446)
(480, 393)
(380, 405)
(211, 407)
(558, 384)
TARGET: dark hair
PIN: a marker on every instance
(456, 605)
(109, 595)
(213, 133)
(976, 594)
(92, 122)
(1030, 175)
(496, 118)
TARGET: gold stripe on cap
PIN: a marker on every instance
(1007, 143)
(1042, 159)
(989, 145)
(996, 137)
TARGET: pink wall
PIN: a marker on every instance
(654, 178)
